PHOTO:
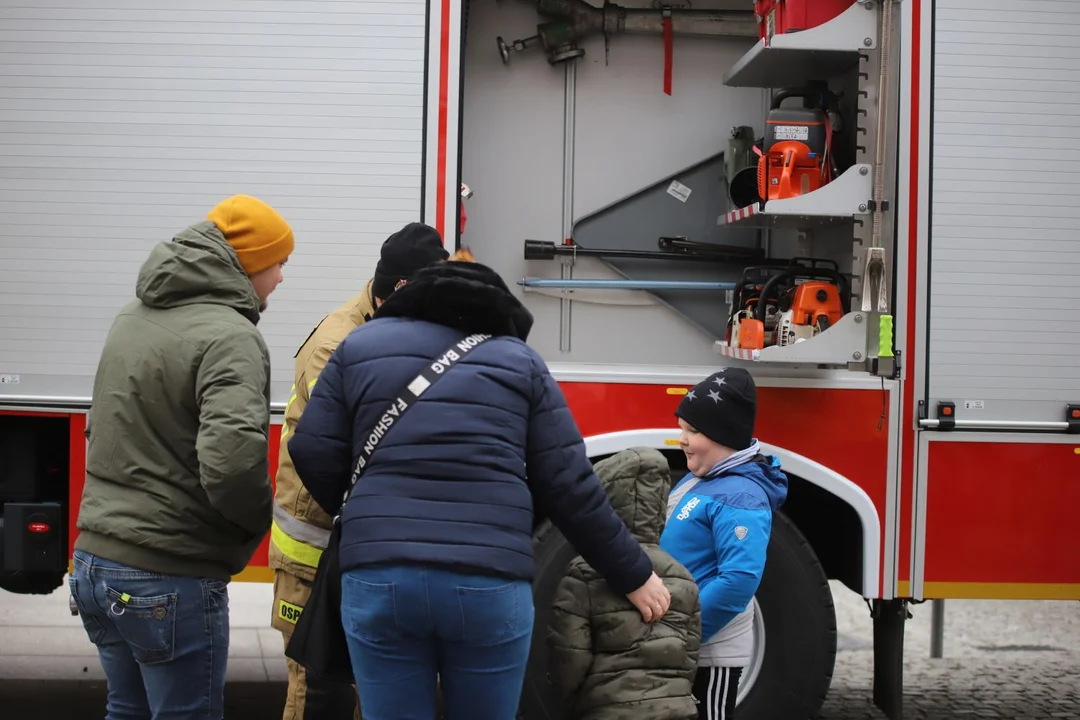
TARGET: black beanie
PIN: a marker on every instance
(412, 247)
(723, 408)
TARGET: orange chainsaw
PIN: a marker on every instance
(796, 152)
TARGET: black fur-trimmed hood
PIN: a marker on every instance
(467, 296)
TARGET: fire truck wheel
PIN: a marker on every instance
(796, 615)
(792, 674)
(33, 583)
(552, 554)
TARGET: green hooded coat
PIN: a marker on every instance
(604, 660)
(177, 465)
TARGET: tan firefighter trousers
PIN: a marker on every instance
(310, 697)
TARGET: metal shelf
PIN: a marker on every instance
(840, 201)
(843, 343)
(817, 53)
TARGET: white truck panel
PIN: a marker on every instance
(121, 126)
(1005, 227)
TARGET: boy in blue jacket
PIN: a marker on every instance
(718, 526)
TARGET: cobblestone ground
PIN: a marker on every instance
(1002, 659)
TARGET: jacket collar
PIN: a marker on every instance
(467, 296)
(361, 307)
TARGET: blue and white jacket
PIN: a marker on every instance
(719, 530)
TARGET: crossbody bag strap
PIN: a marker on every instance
(408, 397)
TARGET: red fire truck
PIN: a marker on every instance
(857, 201)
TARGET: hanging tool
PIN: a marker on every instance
(671, 248)
(875, 253)
(617, 284)
(875, 282)
(669, 52)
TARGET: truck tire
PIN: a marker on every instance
(796, 609)
(552, 554)
(796, 612)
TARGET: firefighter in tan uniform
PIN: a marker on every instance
(301, 528)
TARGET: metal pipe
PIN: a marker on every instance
(546, 250)
(693, 23)
(937, 628)
(569, 124)
(1019, 425)
(616, 284)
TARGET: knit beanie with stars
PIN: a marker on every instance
(723, 408)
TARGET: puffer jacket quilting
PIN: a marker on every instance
(604, 660)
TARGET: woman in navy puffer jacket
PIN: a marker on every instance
(436, 538)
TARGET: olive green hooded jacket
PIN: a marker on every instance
(177, 464)
(605, 662)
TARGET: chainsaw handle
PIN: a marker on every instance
(823, 95)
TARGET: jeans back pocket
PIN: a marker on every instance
(370, 609)
(147, 623)
(494, 615)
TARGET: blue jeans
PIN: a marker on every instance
(163, 640)
(407, 624)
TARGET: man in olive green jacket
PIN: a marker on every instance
(604, 661)
(301, 528)
(177, 495)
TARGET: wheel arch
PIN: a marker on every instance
(828, 508)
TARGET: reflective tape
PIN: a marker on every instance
(296, 539)
(294, 549)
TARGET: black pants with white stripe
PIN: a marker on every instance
(715, 689)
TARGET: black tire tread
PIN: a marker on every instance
(770, 703)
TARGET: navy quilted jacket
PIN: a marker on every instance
(461, 480)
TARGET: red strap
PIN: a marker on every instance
(667, 54)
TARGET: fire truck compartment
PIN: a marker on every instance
(1003, 301)
(123, 126)
(998, 518)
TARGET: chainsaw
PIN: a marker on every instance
(782, 306)
(796, 151)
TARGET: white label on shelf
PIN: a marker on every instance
(791, 132)
(974, 405)
(678, 191)
(9, 379)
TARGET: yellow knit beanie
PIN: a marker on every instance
(258, 234)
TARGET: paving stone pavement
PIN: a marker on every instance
(1002, 659)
